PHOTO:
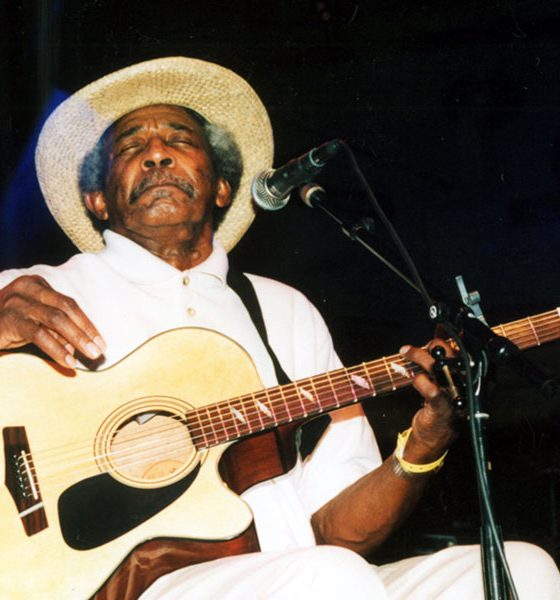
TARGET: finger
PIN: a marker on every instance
(33, 297)
(67, 332)
(69, 348)
(71, 308)
(434, 395)
(46, 341)
(420, 356)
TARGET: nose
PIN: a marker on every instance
(157, 155)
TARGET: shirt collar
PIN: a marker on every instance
(137, 264)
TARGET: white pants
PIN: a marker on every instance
(331, 573)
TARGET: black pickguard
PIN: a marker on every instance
(100, 509)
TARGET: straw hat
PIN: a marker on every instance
(74, 128)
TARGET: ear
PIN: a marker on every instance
(97, 204)
(223, 193)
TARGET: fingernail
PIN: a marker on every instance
(100, 342)
(71, 361)
(404, 349)
(93, 350)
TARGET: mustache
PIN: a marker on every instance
(155, 179)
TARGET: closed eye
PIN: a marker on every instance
(128, 148)
(183, 141)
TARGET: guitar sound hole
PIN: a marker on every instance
(146, 443)
(150, 448)
(100, 509)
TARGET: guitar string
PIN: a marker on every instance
(177, 442)
(275, 395)
(529, 325)
(212, 432)
(294, 399)
(369, 366)
(293, 402)
(180, 442)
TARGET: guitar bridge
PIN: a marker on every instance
(21, 480)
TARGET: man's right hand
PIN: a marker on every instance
(31, 312)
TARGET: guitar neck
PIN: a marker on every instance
(239, 417)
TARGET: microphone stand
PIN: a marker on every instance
(477, 346)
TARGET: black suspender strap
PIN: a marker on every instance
(242, 286)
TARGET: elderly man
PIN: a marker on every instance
(164, 153)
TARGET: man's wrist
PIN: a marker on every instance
(413, 468)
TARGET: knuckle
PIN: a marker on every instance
(55, 317)
(11, 300)
(24, 281)
(22, 289)
(34, 330)
(68, 304)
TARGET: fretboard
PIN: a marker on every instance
(239, 417)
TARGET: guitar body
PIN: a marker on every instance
(92, 485)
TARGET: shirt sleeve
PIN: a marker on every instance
(346, 451)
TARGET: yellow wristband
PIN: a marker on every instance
(402, 438)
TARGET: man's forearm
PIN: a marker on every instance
(363, 515)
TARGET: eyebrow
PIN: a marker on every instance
(127, 132)
(136, 128)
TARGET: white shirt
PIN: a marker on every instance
(131, 295)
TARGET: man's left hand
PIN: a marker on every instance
(433, 425)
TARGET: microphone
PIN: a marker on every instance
(271, 188)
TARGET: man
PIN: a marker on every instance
(158, 171)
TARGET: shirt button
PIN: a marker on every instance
(191, 311)
(186, 280)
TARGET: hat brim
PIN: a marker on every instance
(73, 129)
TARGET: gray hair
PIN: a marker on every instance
(223, 151)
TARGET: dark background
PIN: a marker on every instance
(452, 112)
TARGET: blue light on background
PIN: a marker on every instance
(25, 221)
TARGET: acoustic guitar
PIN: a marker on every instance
(97, 463)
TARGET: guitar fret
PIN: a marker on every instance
(285, 406)
(271, 405)
(368, 377)
(317, 391)
(253, 423)
(534, 332)
(252, 413)
(386, 365)
(303, 395)
(350, 385)
(212, 430)
(264, 409)
(237, 417)
(333, 390)
(232, 414)
(257, 411)
(360, 381)
(341, 387)
(201, 429)
(230, 430)
(218, 425)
